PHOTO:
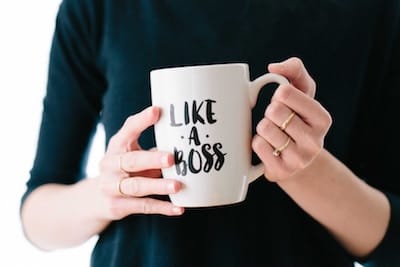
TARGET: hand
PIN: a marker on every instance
(129, 175)
(292, 132)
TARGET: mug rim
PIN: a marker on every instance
(201, 66)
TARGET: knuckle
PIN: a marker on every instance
(313, 85)
(312, 88)
(268, 125)
(115, 143)
(147, 207)
(130, 162)
(266, 128)
(114, 208)
(272, 110)
(328, 120)
(297, 63)
(283, 92)
(262, 127)
(324, 123)
(257, 143)
(131, 119)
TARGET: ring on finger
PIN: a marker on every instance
(121, 168)
(119, 188)
(277, 152)
(287, 121)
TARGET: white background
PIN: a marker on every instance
(26, 29)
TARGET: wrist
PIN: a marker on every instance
(313, 170)
(92, 208)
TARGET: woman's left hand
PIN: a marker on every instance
(292, 132)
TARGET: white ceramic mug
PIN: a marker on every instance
(206, 123)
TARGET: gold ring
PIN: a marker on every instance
(277, 152)
(286, 122)
(120, 165)
(120, 189)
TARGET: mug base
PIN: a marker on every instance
(206, 204)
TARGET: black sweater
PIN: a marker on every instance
(101, 56)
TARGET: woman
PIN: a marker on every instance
(330, 195)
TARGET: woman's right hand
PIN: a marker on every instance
(129, 175)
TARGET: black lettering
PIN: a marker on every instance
(194, 135)
(186, 112)
(220, 156)
(191, 160)
(172, 116)
(209, 157)
(209, 112)
(180, 164)
(195, 112)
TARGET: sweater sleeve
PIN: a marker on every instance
(379, 147)
(72, 102)
(387, 253)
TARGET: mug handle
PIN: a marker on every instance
(254, 89)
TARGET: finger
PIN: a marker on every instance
(142, 186)
(293, 69)
(307, 140)
(135, 162)
(141, 160)
(133, 127)
(122, 207)
(278, 113)
(275, 168)
(268, 130)
(309, 110)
